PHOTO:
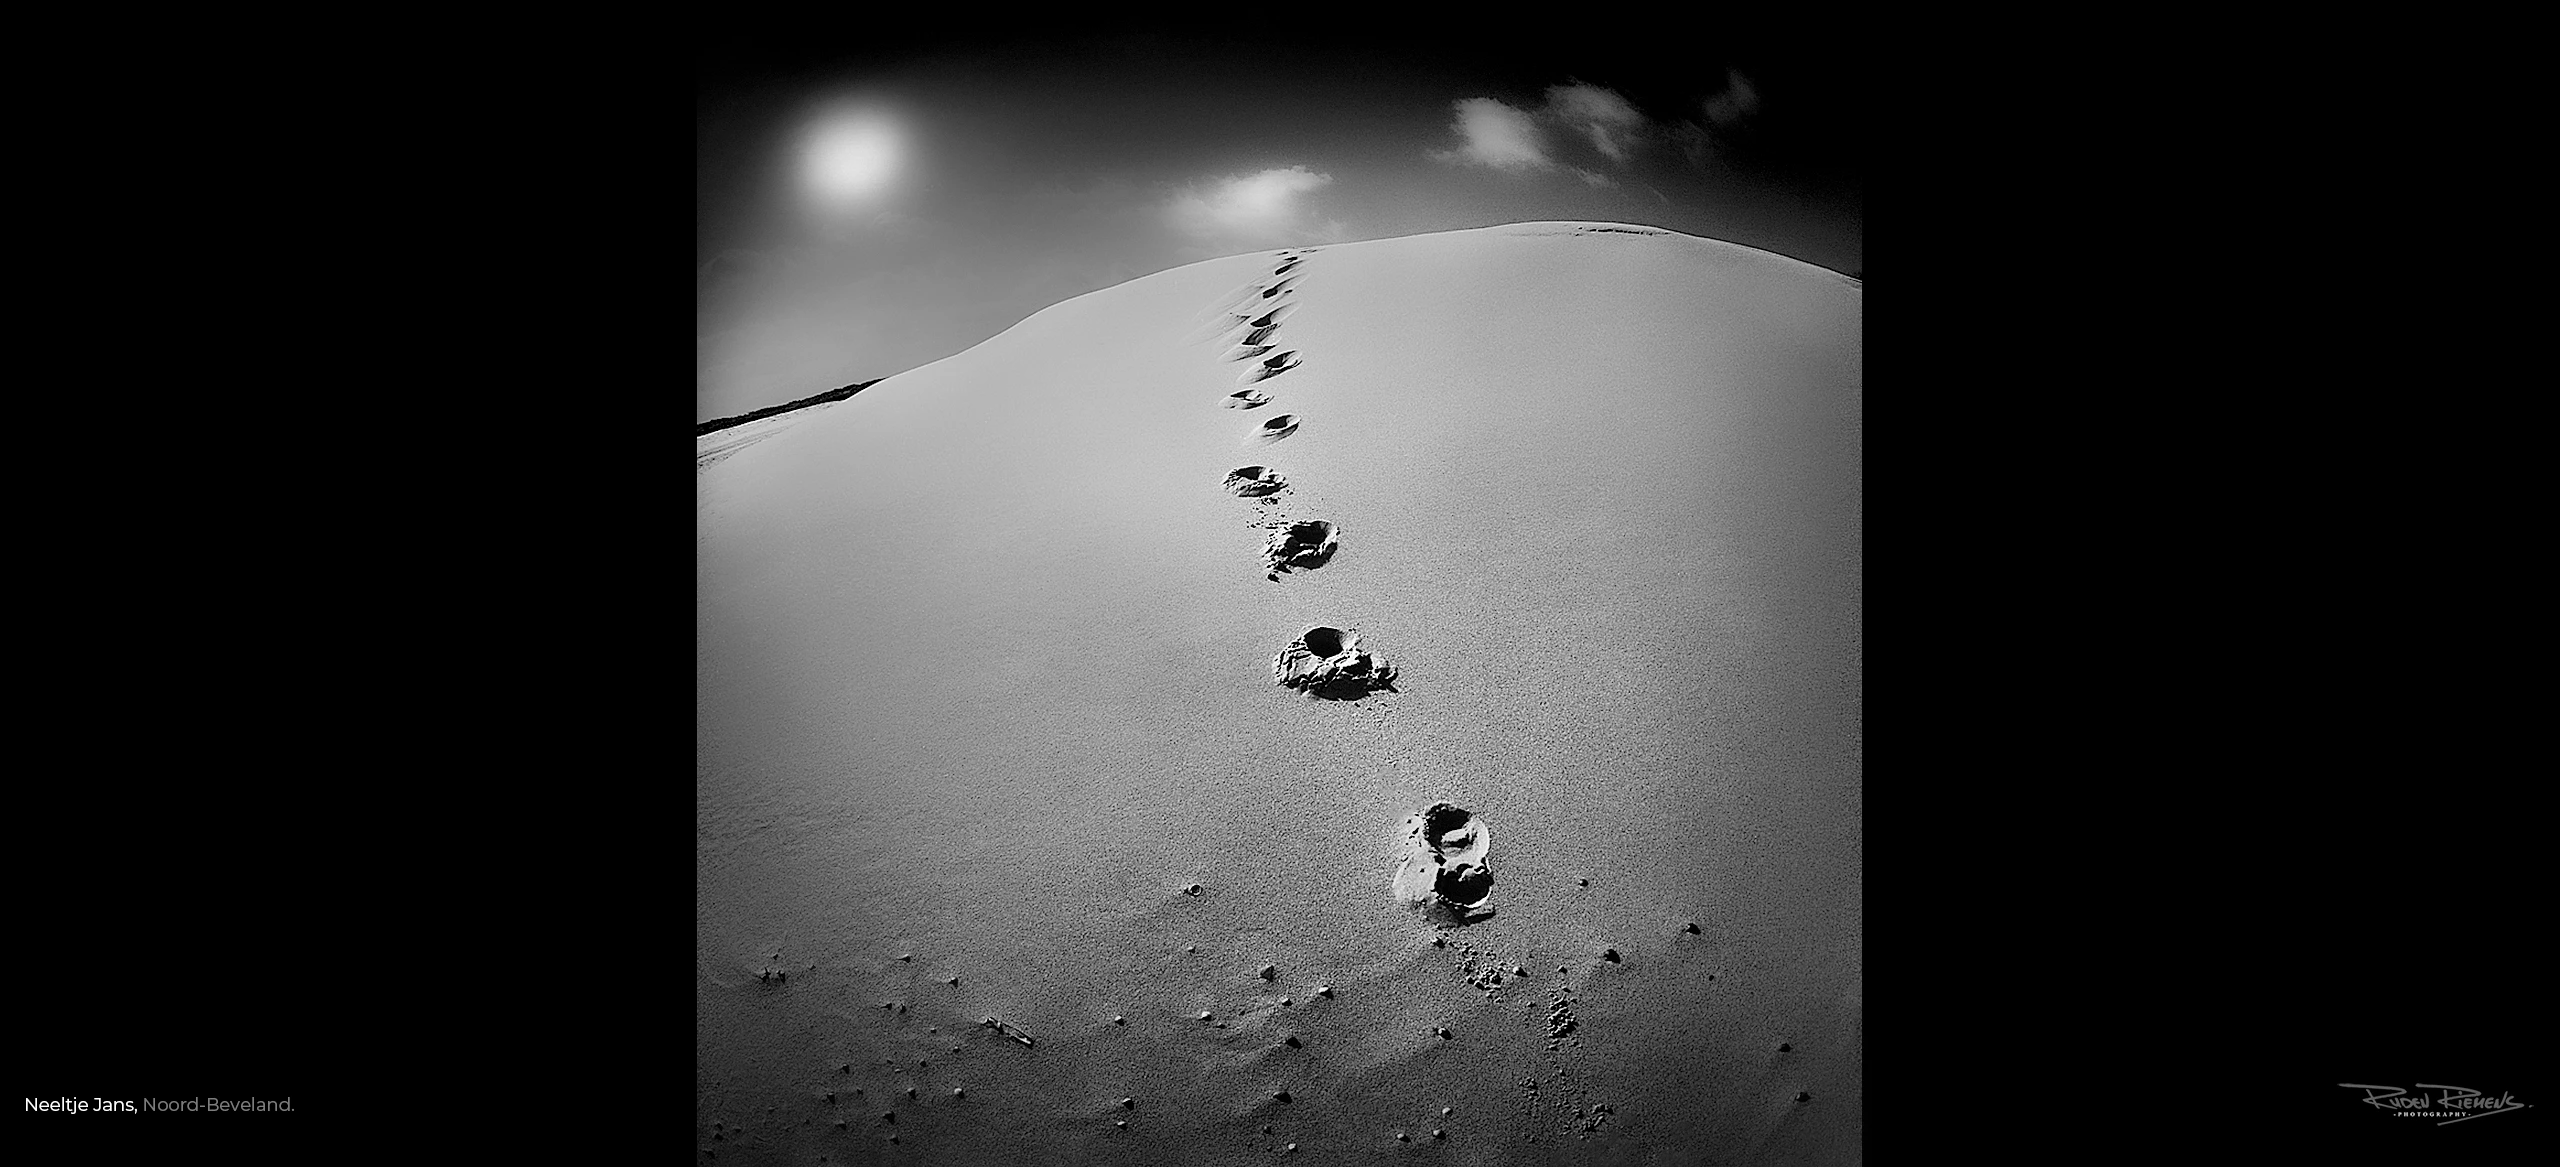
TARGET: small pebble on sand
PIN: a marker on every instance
(1204, 1015)
(1582, 883)
(1117, 1019)
(1401, 1137)
(1279, 1096)
(1121, 1123)
(1690, 928)
(1438, 1133)
(1128, 1104)
(1446, 1111)
(1324, 990)
(1268, 971)
(906, 956)
(1784, 1047)
(1611, 956)
(1802, 1096)
(957, 1092)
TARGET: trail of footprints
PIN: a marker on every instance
(1323, 661)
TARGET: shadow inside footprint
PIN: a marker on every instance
(1273, 429)
(1329, 663)
(1246, 352)
(1271, 366)
(1444, 870)
(1248, 399)
(1254, 481)
(1302, 546)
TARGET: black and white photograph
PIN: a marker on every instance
(1278, 598)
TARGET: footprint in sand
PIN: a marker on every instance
(1302, 546)
(1269, 367)
(1247, 352)
(1248, 399)
(1273, 429)
(1328, 662)
(1254, 482)
(1444, 870)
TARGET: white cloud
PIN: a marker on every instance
(1737, 102)
(1610, 121)
(1496, 135)
(1508, 138)
(1248, 209)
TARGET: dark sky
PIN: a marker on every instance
(865, 206)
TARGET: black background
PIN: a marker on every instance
(358, 765)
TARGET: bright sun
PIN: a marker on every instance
(850, 156)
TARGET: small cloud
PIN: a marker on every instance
(1496, 135)
(1610, 121)
(1739, 100)
(1247, 210)
(1593, 177)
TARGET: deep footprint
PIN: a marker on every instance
(1254, 482)
(1328, 662)
(1248, 399)
(1270, 366)
(1444, 870)
(1273, 429)
(1302, 546)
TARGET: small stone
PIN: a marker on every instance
(1582, 883)
(1437, 1133)
(957, 1092)
(831, 1095)
(1446, 1111)
(1204, 1015)
(1324, 990)
(1192, 890)
(1439, 942)
(1284, 1001)
(1191, 948)
(1442, 1030)
(1268, 972)
(889, 1116)
(1117, 1019)
(1290, 1148)
(1279, 1096)
(1803, 1096)
(1784, 1047)
(1690, 928)
(893, 1138)
(950, 980)
(906, 956)
(1121, 1123)
(911, 1091)
(1291, 1041)
(1401, 1137)
(1611, 956)
(1266, 1128)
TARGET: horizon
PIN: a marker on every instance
(859, 216)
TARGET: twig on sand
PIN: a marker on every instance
(1009, 1030)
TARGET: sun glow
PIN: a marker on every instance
(850, 156)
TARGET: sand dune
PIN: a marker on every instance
(995, 721)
